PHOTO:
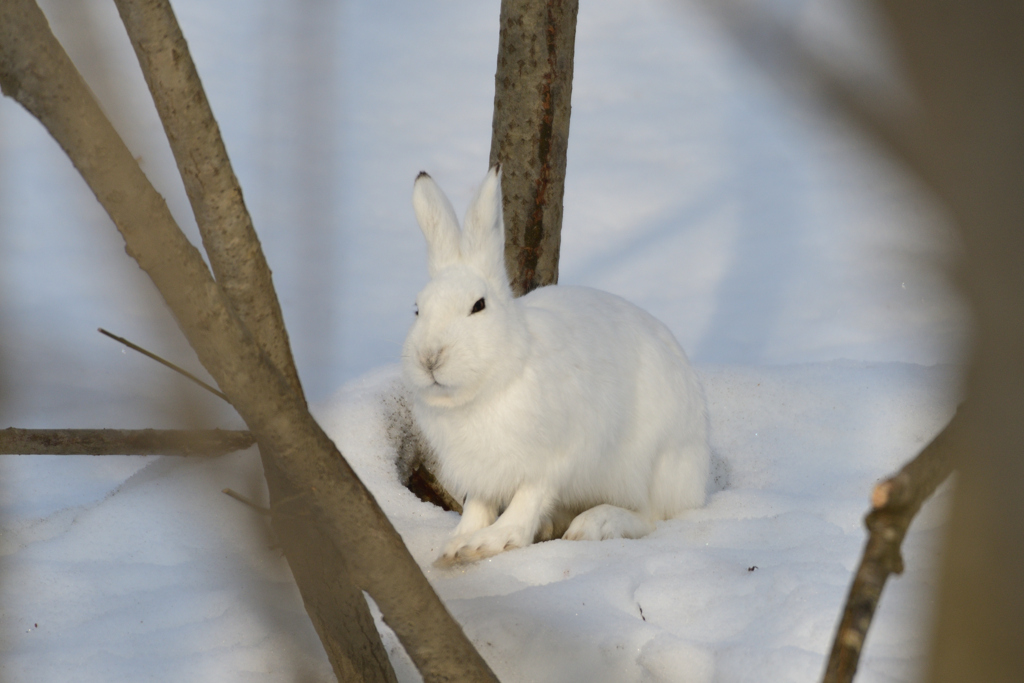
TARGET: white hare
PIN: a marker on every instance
(566, 404)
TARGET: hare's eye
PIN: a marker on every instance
(478, 306)
(415, 309)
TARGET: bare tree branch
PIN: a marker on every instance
(298, 456)
(336, 607)
(894, 502)
(225, 225)
(190, 442)
(530, 136)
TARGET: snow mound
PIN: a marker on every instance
(149, 572)
(748, 588)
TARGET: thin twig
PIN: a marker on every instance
(242, 499)
(894, 503)
(172, 366)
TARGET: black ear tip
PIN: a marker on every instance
(497, 168)
(422, 174)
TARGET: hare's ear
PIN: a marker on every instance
(483, 231)
(437, 220)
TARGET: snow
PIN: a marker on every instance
(799, 267)
(746, 589)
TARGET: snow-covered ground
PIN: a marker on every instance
(802, 272)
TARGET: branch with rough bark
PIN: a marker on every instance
(894, 503)
(530, 133)
(229, 237)
(336, 607)
(185, 442)
(330, 505)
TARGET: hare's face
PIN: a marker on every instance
(464, 340)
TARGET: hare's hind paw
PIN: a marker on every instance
(608, 521)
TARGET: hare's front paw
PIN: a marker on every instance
(608, 521)
(483, 543)
(476, 514)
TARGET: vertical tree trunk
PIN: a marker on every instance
(965, 62)
(530, 134)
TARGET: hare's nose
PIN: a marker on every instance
(431, 360)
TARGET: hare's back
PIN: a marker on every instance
(581, 321)
(594, 349)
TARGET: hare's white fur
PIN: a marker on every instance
(567, 410)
